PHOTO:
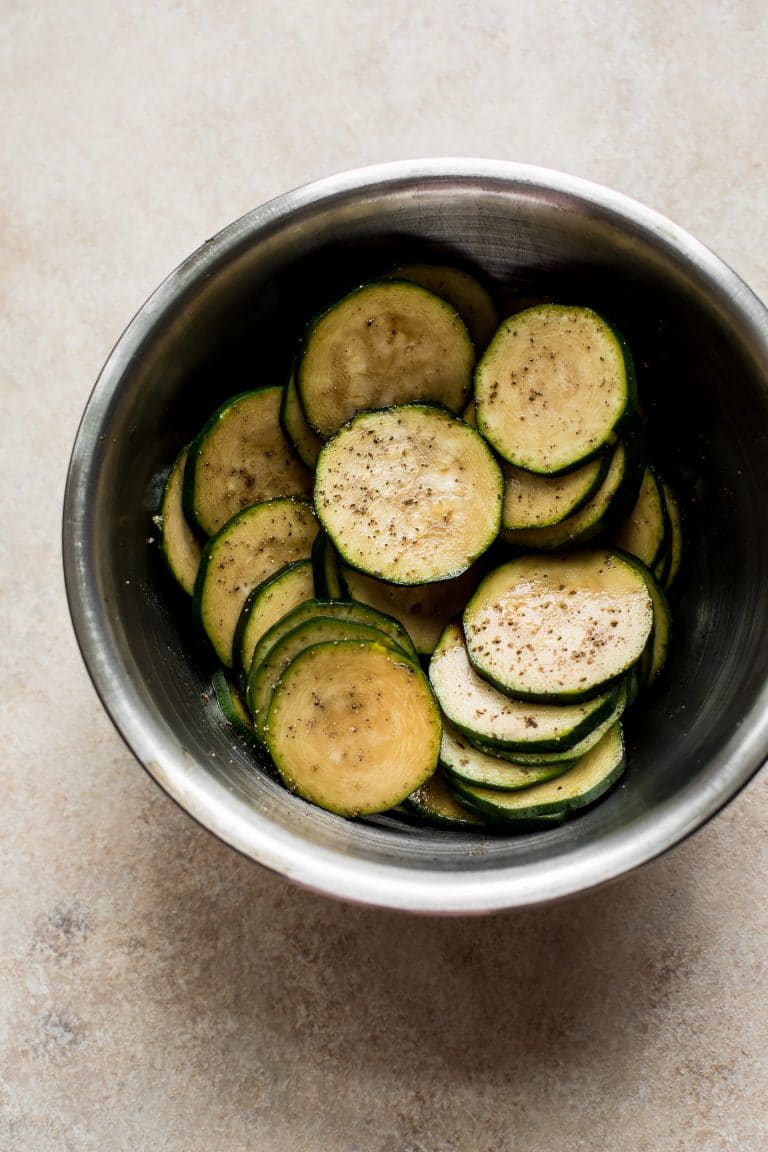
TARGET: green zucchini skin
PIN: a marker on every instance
(332, 742)
(329, 581)
(305, 441)
(239, 458)
(409, 494)
(579, 787)
(265, 674)
(232, 708)
(502, 372)
(388, 342)
(274, 597)
(591, 658)
(250, 547)
(460, 760)
(436, 804)
(335, 610)
(498, 724)
(180, 546)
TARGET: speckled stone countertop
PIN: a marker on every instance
(156, 990)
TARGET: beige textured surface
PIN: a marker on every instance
(156, 991)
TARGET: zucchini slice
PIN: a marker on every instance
(644, 533)
(251, 547)
(462, 761)
(569, 756)
(484, 713)
(435, 803)
(655, 655)
(622, 478)
(388, 342)
(180, 545)
(560, 627)
(333, 610)
(409, 494)
(535, 501)
(240, 458)
(553, 387)
(581, 785)
(306, 442)
(353, 727)
(264, 675)
(423, 610)
(269, 602)
(329, 584)
(471, 300)
(675, 545)
(232, 708)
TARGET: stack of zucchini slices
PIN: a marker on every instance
(432, 565)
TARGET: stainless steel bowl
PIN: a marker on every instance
(228, 318)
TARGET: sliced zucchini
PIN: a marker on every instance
(535, 501)
(329, 584)
(251, 547)
(655, 655)
(675, 535)
(462, 761)
(388, 342)
(581, 785)
(240, 458)
(409, 494)
(560, 627)
(306, 442)
(484, 713)
(353, 727)
(424, 610)
(180, 545)
(569, 756)
(621, 482)
(435, 803)
(334, 610)
(471, 300)
(553, 388)
(232, 708)
(265, 674)
(644, 532)
(267, 603)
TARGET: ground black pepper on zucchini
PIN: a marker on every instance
(429, 535)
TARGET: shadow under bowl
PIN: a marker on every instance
(228, 319)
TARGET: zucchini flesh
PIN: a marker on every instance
(249, 548)
(181, 547)
(423, 610)
(484, 713)
(535, 501)
(306, 442)
(558, 627)
(581, 785)
(462, 761)
(553, 387)
(389, 342)
(435, 803)
(643, 534)
(268, 603)
(353, 727)
(333, 610)
(410, 494)
(568, 757)
(240, 458)
(467, 295)
(264, 675)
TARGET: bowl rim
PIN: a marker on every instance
(239, 824)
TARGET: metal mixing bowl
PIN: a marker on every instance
(228, 319)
